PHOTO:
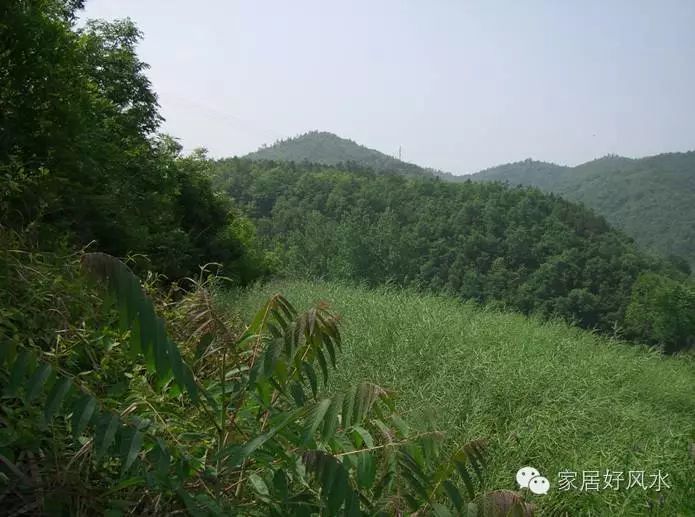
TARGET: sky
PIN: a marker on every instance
(458, 85)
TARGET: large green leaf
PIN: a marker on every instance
(107, 427)
(315, 418)
(37, 381)
(55, 397)
(130, 447)
(82, 413)
(19, 370)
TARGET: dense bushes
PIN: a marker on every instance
(663, 310)
(80, 161)
(529, 251)
(148, 409)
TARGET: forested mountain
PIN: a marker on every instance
(652, 199)
(329, 149)
(530, 251)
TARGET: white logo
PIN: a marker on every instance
(528, 477)
(539, 485)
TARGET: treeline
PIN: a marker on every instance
(529, 251)
(81, 162)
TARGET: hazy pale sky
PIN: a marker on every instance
(460, 85)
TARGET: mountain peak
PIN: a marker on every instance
(330, 149)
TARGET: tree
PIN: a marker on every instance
(80, 153)
(662, 312)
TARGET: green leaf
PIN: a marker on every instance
(191, 385)
(191, 505)
(234, 454)
(107, 427)
(163, 460)
(439, 510)
(331, 420)
(453, 494)
(337, 491)
(135, 336)
(332, 475)
(177, 365)
(19, 370)
(257, 321)
(7, 352)
(147, 329)
(259, 485)
(463, 472)
(55, 397)
(322, 363)
(203, 344)
(286, 306)
(37, 381)
(331, 349)
(161, 352)
(280, 487)
(297, 393)
(366, 469)
(311, 375)
(131, 448)
(364, 436)
(82, 414)
(352, 505)
(363, 402)
(315, 418)
(349, 406)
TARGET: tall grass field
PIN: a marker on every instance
(544, 394)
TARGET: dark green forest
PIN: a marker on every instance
(136, 380)
(650, 198)
(528, 251)
(80, 158)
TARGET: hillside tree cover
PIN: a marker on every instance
(529, 251)
(650, 199)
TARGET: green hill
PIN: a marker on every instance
(329, 149)
(652, 199)
(519, 247)
(543, 393)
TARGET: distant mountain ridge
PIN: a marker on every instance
(330, 149)
(651, 199)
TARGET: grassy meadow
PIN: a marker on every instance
(545, 394)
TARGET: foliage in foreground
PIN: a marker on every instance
(107, 413)
(546, 394)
